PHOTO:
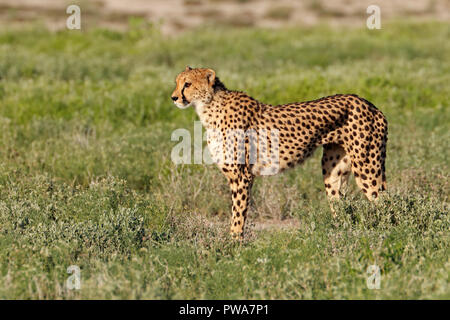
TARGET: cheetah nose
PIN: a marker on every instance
(174, 98)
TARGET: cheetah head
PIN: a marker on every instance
(194, 87)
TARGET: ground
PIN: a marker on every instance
(86, 176)
(175, 16)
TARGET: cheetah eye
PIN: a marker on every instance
(187, 84)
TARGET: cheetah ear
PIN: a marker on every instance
(188, 68)
(210, 76)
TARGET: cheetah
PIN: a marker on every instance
(352, 131)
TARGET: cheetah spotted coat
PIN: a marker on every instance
(352, 131)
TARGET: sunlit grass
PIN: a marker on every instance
(86, 177)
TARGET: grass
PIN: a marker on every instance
(86, 177)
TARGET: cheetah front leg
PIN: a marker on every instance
(240, 186)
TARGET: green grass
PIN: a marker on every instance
(86, 177)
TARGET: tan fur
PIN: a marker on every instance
(352, 130)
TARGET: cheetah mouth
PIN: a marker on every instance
(183, 105)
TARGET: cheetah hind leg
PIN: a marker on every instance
(336, 168)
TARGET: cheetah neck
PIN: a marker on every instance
(201, 109)
(209, 112)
